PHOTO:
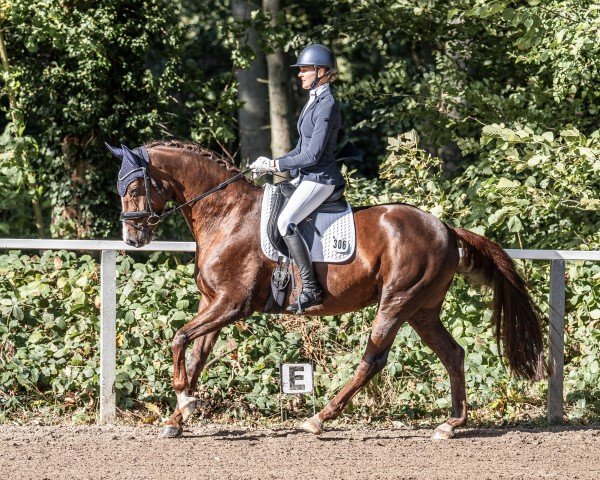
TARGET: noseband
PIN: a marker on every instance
(152, 218)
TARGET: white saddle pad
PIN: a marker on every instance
(336, 241)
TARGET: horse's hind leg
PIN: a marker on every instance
(372, 363)
(433, 333)
(380, 341)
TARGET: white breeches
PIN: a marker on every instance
(305, 200)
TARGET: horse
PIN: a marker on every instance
(405, 262)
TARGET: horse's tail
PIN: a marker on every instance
(516, 317)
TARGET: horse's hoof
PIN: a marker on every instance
(171, 431)
(187, 408)
(443, 432)
(312, 425)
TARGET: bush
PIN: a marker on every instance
(49, 347)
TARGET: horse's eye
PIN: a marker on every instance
(135, 192)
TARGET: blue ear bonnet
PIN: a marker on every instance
(132, 166)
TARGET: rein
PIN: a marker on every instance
(220, 186)
(154, 218)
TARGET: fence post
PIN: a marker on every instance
(108, 333)
(557, 341)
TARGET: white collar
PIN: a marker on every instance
(315, 92)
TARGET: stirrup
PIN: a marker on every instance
(298, 306)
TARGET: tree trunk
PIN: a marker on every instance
(253, 92)
(279, 103)
(12, 102)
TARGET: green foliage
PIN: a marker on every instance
(18, 180)
(528, 189)
(49, 347)
(210, 51)
(48, 341)
(127, 71)
(87, 72)
(499, 103)
(81, 75)
(541, 186)
(447, 67)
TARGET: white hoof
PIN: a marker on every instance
(171, 431)
(443, 432)
(312, 425)
(186, 406)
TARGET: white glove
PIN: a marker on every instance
(261, 165)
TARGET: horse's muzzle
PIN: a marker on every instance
(137, 236)
(136, 243)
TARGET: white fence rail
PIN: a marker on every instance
(108, 308)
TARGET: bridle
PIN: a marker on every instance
(153, 218)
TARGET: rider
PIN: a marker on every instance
(311, 163)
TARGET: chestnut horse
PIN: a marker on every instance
(405, 261)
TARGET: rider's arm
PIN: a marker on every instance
(320, 136)
(291, 153)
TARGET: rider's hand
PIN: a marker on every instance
(261, 163)
(261, 166)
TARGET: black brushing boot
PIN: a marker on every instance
(311, 290)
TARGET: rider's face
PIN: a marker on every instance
(307, 76)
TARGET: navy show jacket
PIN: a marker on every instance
(313, 157)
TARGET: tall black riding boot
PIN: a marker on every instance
(311, 290)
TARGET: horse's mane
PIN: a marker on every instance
(193, 147)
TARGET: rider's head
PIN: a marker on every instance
(317, 66)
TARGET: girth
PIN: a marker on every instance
(335, 203)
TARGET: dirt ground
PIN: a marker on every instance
(216, 452)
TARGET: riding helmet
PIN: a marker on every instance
(316, 55)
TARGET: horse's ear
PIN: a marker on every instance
(116, 151)
(130, 156)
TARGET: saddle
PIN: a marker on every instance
(335, 203)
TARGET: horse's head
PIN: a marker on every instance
(143, 198)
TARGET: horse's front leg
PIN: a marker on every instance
(202, 348)
(201, 351)
(212, 319)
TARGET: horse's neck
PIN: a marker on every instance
(194, 175)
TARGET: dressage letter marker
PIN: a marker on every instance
(296, 378)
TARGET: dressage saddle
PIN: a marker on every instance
(335, 203)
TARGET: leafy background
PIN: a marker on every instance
(48, 342)
(49, 349)
(482, 112)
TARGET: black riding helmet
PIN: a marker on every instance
(316, 56)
